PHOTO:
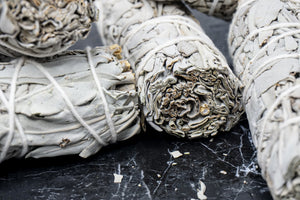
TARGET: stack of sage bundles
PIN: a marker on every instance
(73, 103)
(220, 8)
(184, 83)
(42, 28)
(265, 45)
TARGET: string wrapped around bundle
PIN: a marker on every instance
(185, 86)
(73, 103)
(264, 40)
(41, 28)
(223, 9)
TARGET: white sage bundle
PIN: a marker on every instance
(219, 8)
(73, 103)
(184, 83)
(41, 28)
(265, 44)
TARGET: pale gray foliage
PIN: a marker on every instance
(219, 8)
(42, 28)
(53, 106)
(185, 86)
(265, 43)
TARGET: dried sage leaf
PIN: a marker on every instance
(73, 103)
(41, 28)
(185, 86)
(219, 8)
(264, 41)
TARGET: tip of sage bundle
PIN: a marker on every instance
(192, 101)
(43, 28)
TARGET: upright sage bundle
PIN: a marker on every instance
(220, 8)
(184, 83)
(41, 28)
(73, 103)
(265, 44)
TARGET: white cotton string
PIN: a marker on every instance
(213, 7)
(295, 120)
(102, 95)
(11, 109)
(68, 102)
(262, 50)
(147, 52)
(260, 30)
(37, 91)
(261, 68)
(18, 124)
(65, 128)
(272, 109)
(179, 20)
(151, 53)
(174, 19)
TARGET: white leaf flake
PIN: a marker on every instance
(176, 154)
(201, 191)
(118, 178)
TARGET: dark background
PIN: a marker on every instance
(149, 170)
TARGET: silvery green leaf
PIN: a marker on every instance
(220, 8)
(185, 85)
(266, 58)
(41, 28)
(64, 104)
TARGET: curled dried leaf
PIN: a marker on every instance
(43, 28)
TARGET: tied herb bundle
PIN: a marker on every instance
(265, 43)
(73, 103)
(219, 8)
(41, 28)
(184, 83)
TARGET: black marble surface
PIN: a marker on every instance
(226, 164)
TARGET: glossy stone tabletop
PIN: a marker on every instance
(226, 164)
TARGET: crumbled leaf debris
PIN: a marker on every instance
(176, 154)
(118, 178)
(201, 191)
(223, 172)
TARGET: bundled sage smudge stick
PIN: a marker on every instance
(184, 83)
(41, 28)
(219, 8)
(265, 44)
(73, 103)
